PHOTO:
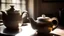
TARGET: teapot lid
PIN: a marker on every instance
(42, 19)
(11, 9)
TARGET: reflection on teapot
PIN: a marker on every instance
(43, 24)
(11, 18)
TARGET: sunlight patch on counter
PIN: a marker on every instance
(26, 31)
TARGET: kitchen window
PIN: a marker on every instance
(18, 5)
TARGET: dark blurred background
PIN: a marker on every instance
(35, 8)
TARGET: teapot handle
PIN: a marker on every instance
(54, 22)
(25, 16)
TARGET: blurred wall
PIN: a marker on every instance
(31, 8)
(0, 4)
(49, 8)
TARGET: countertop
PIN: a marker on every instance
(26, 31)
(23, 31)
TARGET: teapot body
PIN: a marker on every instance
(43, 25)
(12, 21)
(12, 18)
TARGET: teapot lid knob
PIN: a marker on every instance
(43, 15)
(12, 6)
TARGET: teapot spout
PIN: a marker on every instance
(33, 23)
(4, 15)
